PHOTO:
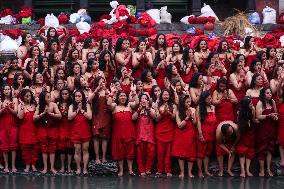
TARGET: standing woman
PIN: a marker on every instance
(206, 127)
(123, 53)
(123, 131)
(224, 99)
(184, 144)
(176, 56)
(88, 47)
(64, 144)
(280, 128)
(249, 50)
(161, 44)
(188, 66)
(8, 126)
(246, 146)
(145, 141)
(201, 55)
(165, 128)
(46, 116)
(28, 131)
(107, 65)
(196, 87)
(141, 59)
(225, 56)
(23, 50)
(160, 68)
(266, 132)
(271, 62)
(80, 114)
(101, 121)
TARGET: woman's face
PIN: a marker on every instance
(102, 82)
(222, 87)
(20, 80)
(191, 53)
(157, 92)
(77, 69)
(91, 55)
(7, 91)
(178, 87)
(61, 73)
(200, 80)
(174, 70)
(268, 94)
(29, 38)
(107, 57)
(122, 98)
(45, 62)
(54, 46)
(28, 97)
(47, 98)
(280, 70)
(161, 40)
(73, 41)
(149, 77)
(125, 44)
(240, 66)
(65, 94)
(57, 57)
(259, 81)
(124, 71)
(14, 63)
(75, 54)
(142, 46)
(176, 48)
(224, 46)
(78, 97)
(263, 57)
(251, 41)
(241, 58)
(212, 68)
(188, 103)
(139, 85)
(83, 82)
(203, 45)
(165, 96)
(144, 101)
(162, 55)
(52, 32)
(208, 100)
(214, 58)
(39, 78)
(257, 67)
(272, 53)
(105, 44)
(95, 65)
(60, 84)
(35, 51)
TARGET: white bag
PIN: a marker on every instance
(83, 27)
(206, 11)
(184, 20)
(74, 18)
(166, 17)
(282, 40)
(155, 15)
(51, 21)
(7, 20)
(8, 44)
(269, 15)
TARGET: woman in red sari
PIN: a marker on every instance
(206, 127)
(65, 146)
(160, 68)
(46, 115)
(245, 147)
(165, 132)
(201, 55)
(123, 132)
(266, 111)
(148, 81)
(184, 144)
(123, 53)
(225, 55)
(28, 131)
(8, 126)
(250, 50)
(101, 121)
(80, 114)
(145, 141)
(280, 129)
(224, 99)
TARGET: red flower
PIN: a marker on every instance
(6, 12)
(172, 38)
(131, 31)
(211, 19)
(13, 33)
(41, 22)
(121, 11)
(132, 19)
(192, 19)
(73, 32)
(146, 20)
(63, 18)
(26, 12)
(151, 31)
(201, 20)
(105, 16)
(270, 41)
(199, 32)
(141, 32)
(186, 39)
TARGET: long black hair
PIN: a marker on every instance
(245, 113)
(222, 81)
(61, 101)
(253, 80)
(262, 97)
(101, 44)
(102, 62)
(194, 79)
(2, 93)
(16, 85)
(170, 101)
(42, 101)
(40, 67)
(24, 92)
(203, 106)
(182, 106)
(253, 63)
(84, 101)
(117, 97)
(197, 48)
(156, 45)
(246, 44)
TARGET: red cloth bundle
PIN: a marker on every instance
(63, 18)
(192, 19)
(13, 33)
(201, 20)
(6, 12)
(146, 20)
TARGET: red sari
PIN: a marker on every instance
(280, 128)
(224, 110)
(8, 130)
(28, 139)
(80, 132)
(160, 77)
(64, 125)
(145, 143)
(102, 119)
(265, 135)
(184, 144)
(123, 136)
(208, 128)
(164, 135)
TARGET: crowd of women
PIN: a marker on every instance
(150, 103)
